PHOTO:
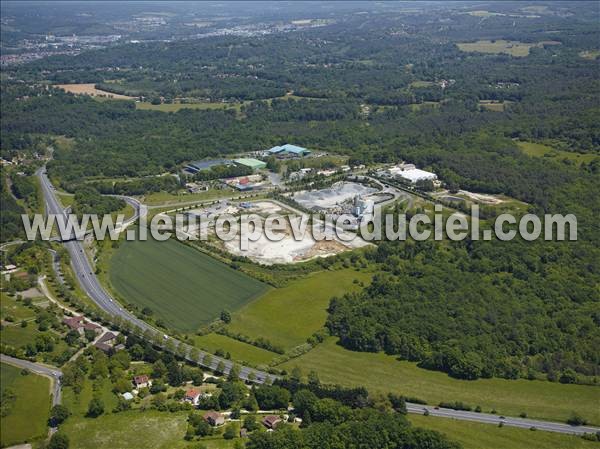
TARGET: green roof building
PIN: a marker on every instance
(254, 164)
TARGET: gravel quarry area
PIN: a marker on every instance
(289, 249)
(331, 197)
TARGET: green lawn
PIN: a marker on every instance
(485, 436)
(183, 287)
(288, 316)
(28, 418)
(540, 150)
(380, 372)
(240, 351)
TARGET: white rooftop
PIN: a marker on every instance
(413, 174)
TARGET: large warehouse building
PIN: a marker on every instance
(288, 150)
(254, 164)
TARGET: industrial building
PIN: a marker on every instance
(254, 164)
(288, 150)
(195, 167)
(411, 174)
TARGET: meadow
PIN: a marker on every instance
(513, 48)
(384, 373)
(149, 429)
(288, 316)
(540, 150)
(10, 307)
(27, 420)
(239, 351)
(183, 287)
(174, 107)
(481, 436)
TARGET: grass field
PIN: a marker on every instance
(288, 316)
(494, 106)
(174, 107)
(513, 48)
(160, 198)
(541, 150)
(182, 286)
(485, 436)
(136, 429)
(28, 418)
(10, 307)
(240, 351)
(380, 372)
(78, 403)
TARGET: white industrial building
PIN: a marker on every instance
(410, 173)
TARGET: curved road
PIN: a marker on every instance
(84, 272)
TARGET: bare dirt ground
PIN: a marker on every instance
(90, 89)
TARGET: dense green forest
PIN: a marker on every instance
(392, 89)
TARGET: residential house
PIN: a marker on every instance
(142, 381)
(192, 396)
(271, 421)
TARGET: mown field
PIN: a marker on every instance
(240, 351)
(28, 417)
(380, 372)
(182, 286)
(485, 436)
(288, 316)
(541, 150)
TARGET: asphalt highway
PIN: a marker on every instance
(488, 418)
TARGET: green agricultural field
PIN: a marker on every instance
(540, 150)
(482, 436)
(288, 316)
(240, 351)
(28, 415)
(380, 372)
(513, 48)
(183, 287)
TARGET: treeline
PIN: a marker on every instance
(133, 187)
(89, 201)
(478, 309)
